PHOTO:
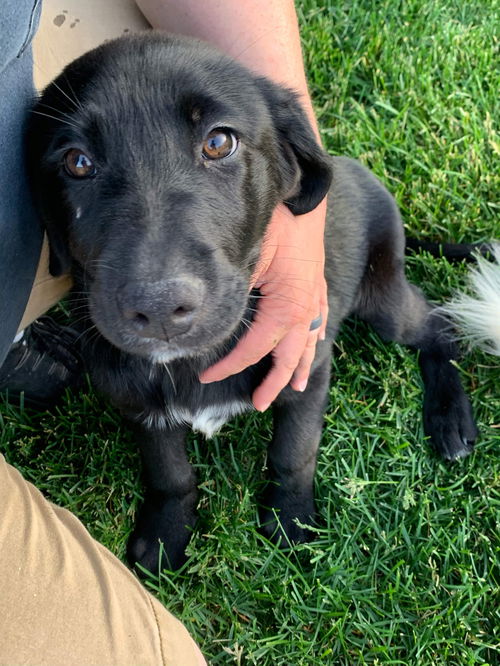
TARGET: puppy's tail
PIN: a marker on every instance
(477, 315)
(451, 251)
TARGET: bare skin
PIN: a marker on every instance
(264, 36)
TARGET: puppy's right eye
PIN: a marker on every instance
(78, 165)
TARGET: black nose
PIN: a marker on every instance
(161, 309)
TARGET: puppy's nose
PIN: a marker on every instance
(161, 309)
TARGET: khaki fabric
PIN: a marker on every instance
(67, 29)
(46, 290)
(66, 600)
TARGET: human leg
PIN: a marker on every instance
(67, 599)
(20, 232)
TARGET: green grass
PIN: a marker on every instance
(405, 567)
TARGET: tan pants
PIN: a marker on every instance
(64, 599)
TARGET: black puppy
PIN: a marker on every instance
(157, 163)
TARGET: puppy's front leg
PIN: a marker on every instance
(288, 498)
(168, 512)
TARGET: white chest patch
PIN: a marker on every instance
(207, 420)
(210, 420)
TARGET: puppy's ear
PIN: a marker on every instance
(304, 167)
(59, 257)
(52, 208)
(48, 194)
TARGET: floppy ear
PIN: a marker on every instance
(52, 209)
(50, 115)
(304, 167)
(48, 197)
(59, 256)
(47, 191)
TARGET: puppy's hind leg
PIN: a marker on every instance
(448, 418)
(398, 311)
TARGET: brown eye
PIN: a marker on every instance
(219, 143)
(78, 165)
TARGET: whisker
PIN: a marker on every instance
(93, 339)
(101, 264)
(86, 331)
(293, 286)
(79, 299)
(80, 319)
(167, 370)
(238, 54)
(59, 120)
(74, 101)
(247, 323)
(77, 310)
(53, 108)
(284, 299)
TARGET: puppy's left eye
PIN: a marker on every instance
(220, 143)
(78, 165)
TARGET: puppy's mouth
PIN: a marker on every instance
(164, 353)
(212, 331)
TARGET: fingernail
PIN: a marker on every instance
(263, 408)
(322, 336)
(301, 386)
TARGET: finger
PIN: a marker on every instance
(303, 369)
(253, 346)
(275, 317)
(323, 307)
(286, 357)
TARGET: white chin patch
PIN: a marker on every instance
(162, 357)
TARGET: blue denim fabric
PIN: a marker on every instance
(20, 230)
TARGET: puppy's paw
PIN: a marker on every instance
(449, 422)
(284, 517)
(163, 530)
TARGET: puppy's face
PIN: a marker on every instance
(157, 163)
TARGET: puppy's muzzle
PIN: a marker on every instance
(163, 309)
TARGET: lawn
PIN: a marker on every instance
(405, 567)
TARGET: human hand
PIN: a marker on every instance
(290, 277)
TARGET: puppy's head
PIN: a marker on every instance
(157, 163)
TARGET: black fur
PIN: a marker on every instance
(162, 244)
